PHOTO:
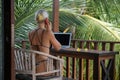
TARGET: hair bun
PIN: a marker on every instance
(41, 15)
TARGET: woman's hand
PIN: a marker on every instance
(48, 25)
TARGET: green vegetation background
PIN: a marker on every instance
(89, 19)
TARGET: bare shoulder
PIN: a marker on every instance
(49, 33)
(33, 31)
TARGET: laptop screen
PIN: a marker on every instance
(64, 39)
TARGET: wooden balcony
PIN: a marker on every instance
(81, 68)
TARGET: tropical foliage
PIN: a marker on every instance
(71, 16)
(91, 19)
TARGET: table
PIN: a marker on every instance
(98, 58)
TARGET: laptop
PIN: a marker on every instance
(64, 39)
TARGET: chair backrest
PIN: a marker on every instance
(25, 63)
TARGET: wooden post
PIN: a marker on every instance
(6, 35)
(12, 41)
(56, 15)
(96, 68)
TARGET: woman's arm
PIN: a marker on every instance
(55, 43)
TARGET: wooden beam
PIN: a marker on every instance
(12, 41)
(6, 38)
(56, 15)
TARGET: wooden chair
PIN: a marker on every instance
(25, 63)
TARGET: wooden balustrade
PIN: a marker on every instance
(78, 68)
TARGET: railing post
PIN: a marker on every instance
(103, 45)
(74, 62)
(111, 46)
(87, 63)
(81, 62)
(96, 45)
(103, 48)
(68, 67)
(96, 69)
(24, 44)
(80, 69)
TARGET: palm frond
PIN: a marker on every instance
(97, 30)
(24, 10)
(105, 10)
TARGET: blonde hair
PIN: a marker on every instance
(41, 15)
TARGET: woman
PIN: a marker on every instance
(42, 38)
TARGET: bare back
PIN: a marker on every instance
(41, 40)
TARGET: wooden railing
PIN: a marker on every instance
(84, 65)
(79, 68)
